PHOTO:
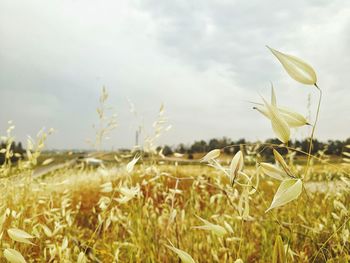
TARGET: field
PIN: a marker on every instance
(121, 213)
(257, 202)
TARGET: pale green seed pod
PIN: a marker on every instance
(296, 68)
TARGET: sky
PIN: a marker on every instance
(204, 60)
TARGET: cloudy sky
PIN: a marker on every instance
(203, 59)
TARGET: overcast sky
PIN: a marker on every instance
(203, 59)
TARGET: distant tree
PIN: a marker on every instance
(2, 155)
(199, 146)
(213, 144)
(347, 141)
(305, 145)
(316, 146)
(335, 147)
(19, 148)
(167, 150)
(15, 148)
(266, 150)
(181, 148)
(297, 144)
(332, 147)
(224, 142)
(239, 143)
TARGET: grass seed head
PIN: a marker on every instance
(296, 68)
(13, 256)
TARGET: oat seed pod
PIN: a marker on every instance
(288, 191)
(208, 226)
(213, 154)
(13, 256)
(296, 68)
(184, 256)
(279, 125)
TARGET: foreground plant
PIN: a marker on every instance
(214, 228)
(106, 123)
(290, 187)
(305, 74)
(184, 256)
(297, 69)
(292, 118)
(13, 256)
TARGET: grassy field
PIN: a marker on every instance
(117, 214)
(144, 207)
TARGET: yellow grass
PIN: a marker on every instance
(70, 206)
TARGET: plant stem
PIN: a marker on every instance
(329, 238)
(240, 241)
(313, 129)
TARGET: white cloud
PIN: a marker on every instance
(203, 59)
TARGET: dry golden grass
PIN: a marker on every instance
(71, 205)
(135, 208)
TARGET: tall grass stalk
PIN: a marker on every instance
(313, 129)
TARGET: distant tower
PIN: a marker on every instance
(137, 138)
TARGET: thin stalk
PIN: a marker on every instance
(313, 129)
(329, 238)
(240, 241)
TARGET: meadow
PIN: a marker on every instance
(141, 206)
(112, 215)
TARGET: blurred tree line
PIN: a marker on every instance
(15, 148)
(331, 147)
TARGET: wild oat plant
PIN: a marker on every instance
(144, 207)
